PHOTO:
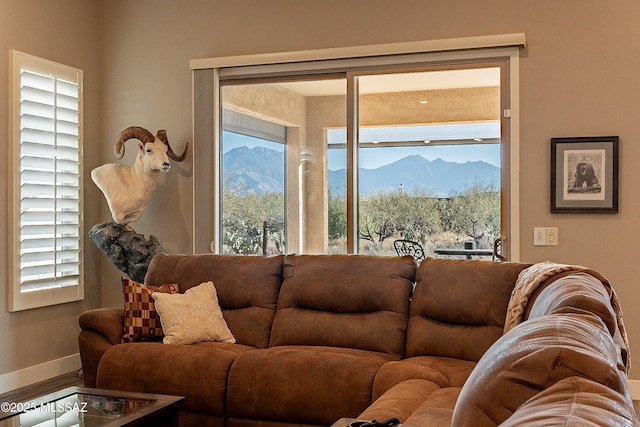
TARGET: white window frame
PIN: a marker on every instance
(207, 121)
(61, 288)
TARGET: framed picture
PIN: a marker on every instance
(584, 174)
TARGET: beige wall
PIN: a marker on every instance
(64, 31)
(578, 77)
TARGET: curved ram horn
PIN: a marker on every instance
(162, 136)
(131, 132)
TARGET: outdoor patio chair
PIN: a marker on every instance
(409, 247)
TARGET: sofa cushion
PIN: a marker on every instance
(443, 371)
(575, 293)
(197, 371)
(437, 410)
(401, 400)
(533, 356)
(141, 321)
(194, 316)
(577, 290)
(349, 301)
(459, 307)
(575, 401)
(302, 384)
(247, 288)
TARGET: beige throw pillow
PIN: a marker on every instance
(192, 317)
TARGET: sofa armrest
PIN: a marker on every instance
(101, 328)
(106, 321)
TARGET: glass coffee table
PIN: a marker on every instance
(91, 407)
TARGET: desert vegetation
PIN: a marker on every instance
(255, 223)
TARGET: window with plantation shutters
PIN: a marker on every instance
(47, 183)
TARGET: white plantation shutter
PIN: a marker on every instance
(47, 190)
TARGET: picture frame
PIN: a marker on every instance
(584, 174)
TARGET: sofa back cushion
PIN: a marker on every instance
(579, 292)
(351, 301)
(459, 307)
(532, 357)
(247, 288)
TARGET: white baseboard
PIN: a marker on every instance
(37, 373)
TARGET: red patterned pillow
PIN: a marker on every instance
(141, 321)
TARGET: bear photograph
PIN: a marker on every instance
(584, 174)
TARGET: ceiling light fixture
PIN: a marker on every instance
(424, 102)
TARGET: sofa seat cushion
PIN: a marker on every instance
(197, 371)
(575, 401)
(352, 301)
(533, 356)
(436, 411)
(459, 307)
(442, 371)
(400, 401)
(302, 384)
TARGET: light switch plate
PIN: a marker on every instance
(551, 236)
(539, 236)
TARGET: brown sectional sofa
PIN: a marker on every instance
(321, 337)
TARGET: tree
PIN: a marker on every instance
(474, 212)
(247, 218)
(337, 216)
(398, 214)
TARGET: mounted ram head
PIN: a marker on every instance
(128, 189)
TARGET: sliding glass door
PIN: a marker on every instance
(349, 162)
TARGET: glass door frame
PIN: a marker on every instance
(207, 111)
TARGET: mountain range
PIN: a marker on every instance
(261, 170)
(254, 170)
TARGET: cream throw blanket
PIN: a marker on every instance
(530, 278)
